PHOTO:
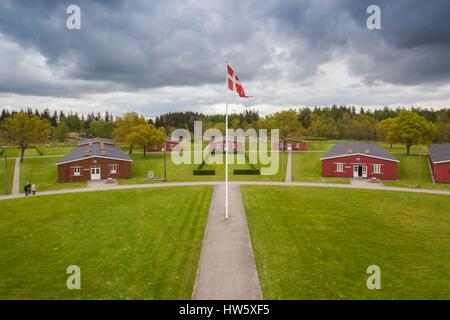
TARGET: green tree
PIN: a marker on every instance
(410, 129)
(23, 130)
(123, 127)
(144, 135)
(62, 131)
(235, 123)
(386, 132)
(101, 128)
(287, 122)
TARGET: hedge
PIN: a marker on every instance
(246, 171)
(204, 172)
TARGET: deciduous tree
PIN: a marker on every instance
(24, 130)
(123, 127)
(410, 129)
(144, 135)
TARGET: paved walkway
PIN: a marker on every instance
(101, 185)
(371, 186)
(227, 268)
(288, 177)
(16, 179)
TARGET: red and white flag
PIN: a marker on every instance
(234, 84)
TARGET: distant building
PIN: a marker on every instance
(359, 159)
(94, 159)
(290, 144)
(439, 159)
(217, 144)
(170, 145)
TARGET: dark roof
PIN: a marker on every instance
(93, 140)
(95, 150)
(440, 152)
(358, 147)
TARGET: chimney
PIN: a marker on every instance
(349, 150)
(102, 149)
(367, 150)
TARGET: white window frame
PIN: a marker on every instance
(76, 171)
(339, 167)
(377, 168)
(113, 171)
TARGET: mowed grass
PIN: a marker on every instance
(184, 172)
(129, 244)
(413, 172)
(3, 173)
(46, 151)
(43, 173)
(307, 167)
(316, 243)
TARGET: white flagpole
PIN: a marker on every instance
(226, 162)
(226, 145)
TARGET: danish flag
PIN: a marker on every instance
(234, 84)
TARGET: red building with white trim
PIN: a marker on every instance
(94, 159)
(358, 159)
(218, 144)
(439, 160)
(171, 145)
(290, 145)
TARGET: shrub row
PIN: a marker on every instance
(199, 172)
(246, 171)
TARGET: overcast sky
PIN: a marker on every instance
(159, 56)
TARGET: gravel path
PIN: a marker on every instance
(16, 180)
(288, 177)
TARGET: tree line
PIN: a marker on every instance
(401, 125)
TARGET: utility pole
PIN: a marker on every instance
(6, 170)
(165, 166)
(282, 159)
(420, 165)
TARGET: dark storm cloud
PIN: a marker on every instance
(146, 44)
(413, 45)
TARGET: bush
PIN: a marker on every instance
(246, 171)
(199, 172)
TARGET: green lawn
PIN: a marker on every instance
(401, 149)
(184, 172)
(43, 173)
(129, 244)
(320, 145)
(319, 242)
(46, 151)
(408, 173)
(11, 163)
(307, 167)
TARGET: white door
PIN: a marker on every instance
(355, 170)
(364, 171)
(289, 147)
(95, 173)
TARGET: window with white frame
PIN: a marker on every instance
(377, 168)
(339, 167)
(113, 168)
(76, 171)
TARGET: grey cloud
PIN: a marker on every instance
(132, 45)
